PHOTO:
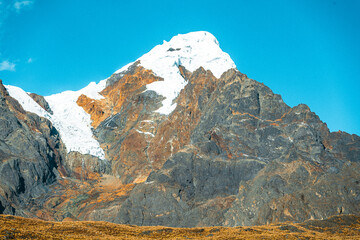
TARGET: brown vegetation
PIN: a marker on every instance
(337, 227)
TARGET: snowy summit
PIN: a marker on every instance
(192, 50)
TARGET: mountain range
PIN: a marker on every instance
(179, 137)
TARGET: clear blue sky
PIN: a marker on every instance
(306, 50)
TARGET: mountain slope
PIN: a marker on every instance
(32, 156)
(250, 159)
(181, 138)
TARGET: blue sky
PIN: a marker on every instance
(308, 51)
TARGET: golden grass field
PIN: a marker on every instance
(337, 227)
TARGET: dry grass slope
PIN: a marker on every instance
(337, 227)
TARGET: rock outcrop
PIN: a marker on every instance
(41, 101)
(31, 156)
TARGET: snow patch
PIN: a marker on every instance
(26, 101)
(92, 90)
(302, 124)
(146, 133)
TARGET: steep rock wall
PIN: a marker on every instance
(31, 156)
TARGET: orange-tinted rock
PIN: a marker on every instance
(174, 133)
(115, 95)
(96, 108)
(127, 148)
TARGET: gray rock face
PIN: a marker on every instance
(87, 163)
(31, 156)
(118, 133)
(117, 76)
(41, 101)
(251, 160)
(188, 190)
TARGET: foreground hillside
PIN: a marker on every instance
(337, 227)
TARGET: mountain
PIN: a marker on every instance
(180, 138)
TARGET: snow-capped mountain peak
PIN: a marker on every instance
(191, 50)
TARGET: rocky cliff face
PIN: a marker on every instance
(225, 150)
(239, 155)
(31, 156)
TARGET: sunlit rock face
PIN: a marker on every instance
(181, 138)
